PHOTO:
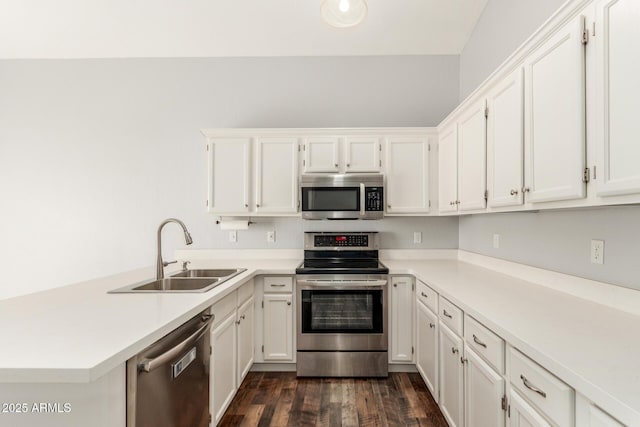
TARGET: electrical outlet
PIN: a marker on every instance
(271, 236)
(417, 237)
(233, 236)
(496, 241)
(597, 252)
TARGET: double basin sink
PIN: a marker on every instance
(184, 281)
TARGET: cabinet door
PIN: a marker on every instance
(229, 165)
(554, 120)
(401, 334)
(521, 414)
(427, 347)
(451, 377)
(321, 154)
(448, 170)
(246, 335)
(277, 175)
(505, 142)
(472, 158)
(278, 327)
(407, 173)
(223, 384)
(618, 96)
(484, 390)
(362, 154)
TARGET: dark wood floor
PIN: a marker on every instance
(281, 399)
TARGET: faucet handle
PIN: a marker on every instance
(184, 265)
(165, 263)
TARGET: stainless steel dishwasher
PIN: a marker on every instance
(168, 382)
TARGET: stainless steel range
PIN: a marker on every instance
(341, 307)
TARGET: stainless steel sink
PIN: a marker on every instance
(183, 282)
(226, 273)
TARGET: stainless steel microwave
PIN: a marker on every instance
(342, 196)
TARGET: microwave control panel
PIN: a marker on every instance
(373, 199)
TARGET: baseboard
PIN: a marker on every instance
(291, 367)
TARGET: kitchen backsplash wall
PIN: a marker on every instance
(94, 154)
(503, 26)
(561, 241)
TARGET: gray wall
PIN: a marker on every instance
(561, 241)
(95, 153)
(503, 26)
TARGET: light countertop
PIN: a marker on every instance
(80, 332)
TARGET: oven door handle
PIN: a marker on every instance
(342, 283)
(362, 194)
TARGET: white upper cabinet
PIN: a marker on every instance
(229, 175)
(407, 173)
(555, 117)
(362, 154)
(505, 142)
(276, 181)
(472, 165)
(335, 154)
(448, 170)
(618, 97)
(321, 154)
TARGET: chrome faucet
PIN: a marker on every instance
(187, 239)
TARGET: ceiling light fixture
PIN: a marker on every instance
(343, 13)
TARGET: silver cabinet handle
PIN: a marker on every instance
(513, 192)
(389, 206)
(477, 341)
(528, 385)
(277, 285)
(149, 365)
(432, 325)
(424, 295)
(335, 165)
(454, 350)
(257, 205)
(447, 314)
(288, 302)
(246, 205)
(395, 285)
(237, 322)
(525, 189)
(242, 317)
(463, 360)
(348, 165)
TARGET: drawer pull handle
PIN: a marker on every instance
(447, 314)
(477, 341)
(528, 385)
(277, 285)
(432, 325)
(424, 295)
(454, 350)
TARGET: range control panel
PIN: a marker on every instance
(341, 240)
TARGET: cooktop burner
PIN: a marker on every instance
(341, 253)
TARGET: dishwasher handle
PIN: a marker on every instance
(148, 365)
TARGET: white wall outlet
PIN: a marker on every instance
(233, 236)
(597, 252)
(496, 241)
(271, 236)
(417, 237)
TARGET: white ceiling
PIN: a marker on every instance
(203, 28)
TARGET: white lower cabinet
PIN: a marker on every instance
(223, 384)
(589, 415)
(451, 377)
(484, 392)
(277, 320)
(245, 322)
(401, 324)
(427, 347)
(521, 414)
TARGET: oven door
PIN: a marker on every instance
(342, 315)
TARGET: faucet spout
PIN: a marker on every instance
(187, 239)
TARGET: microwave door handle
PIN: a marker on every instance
(362, 199)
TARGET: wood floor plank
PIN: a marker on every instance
(280, 399)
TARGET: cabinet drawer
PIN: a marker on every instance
(484, 342)
(244, 292)
(428, 296)
(278, 284)
(450, 315)
(553, 397)
(223, 308)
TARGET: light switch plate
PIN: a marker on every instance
(417, 237)
(496, 241)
